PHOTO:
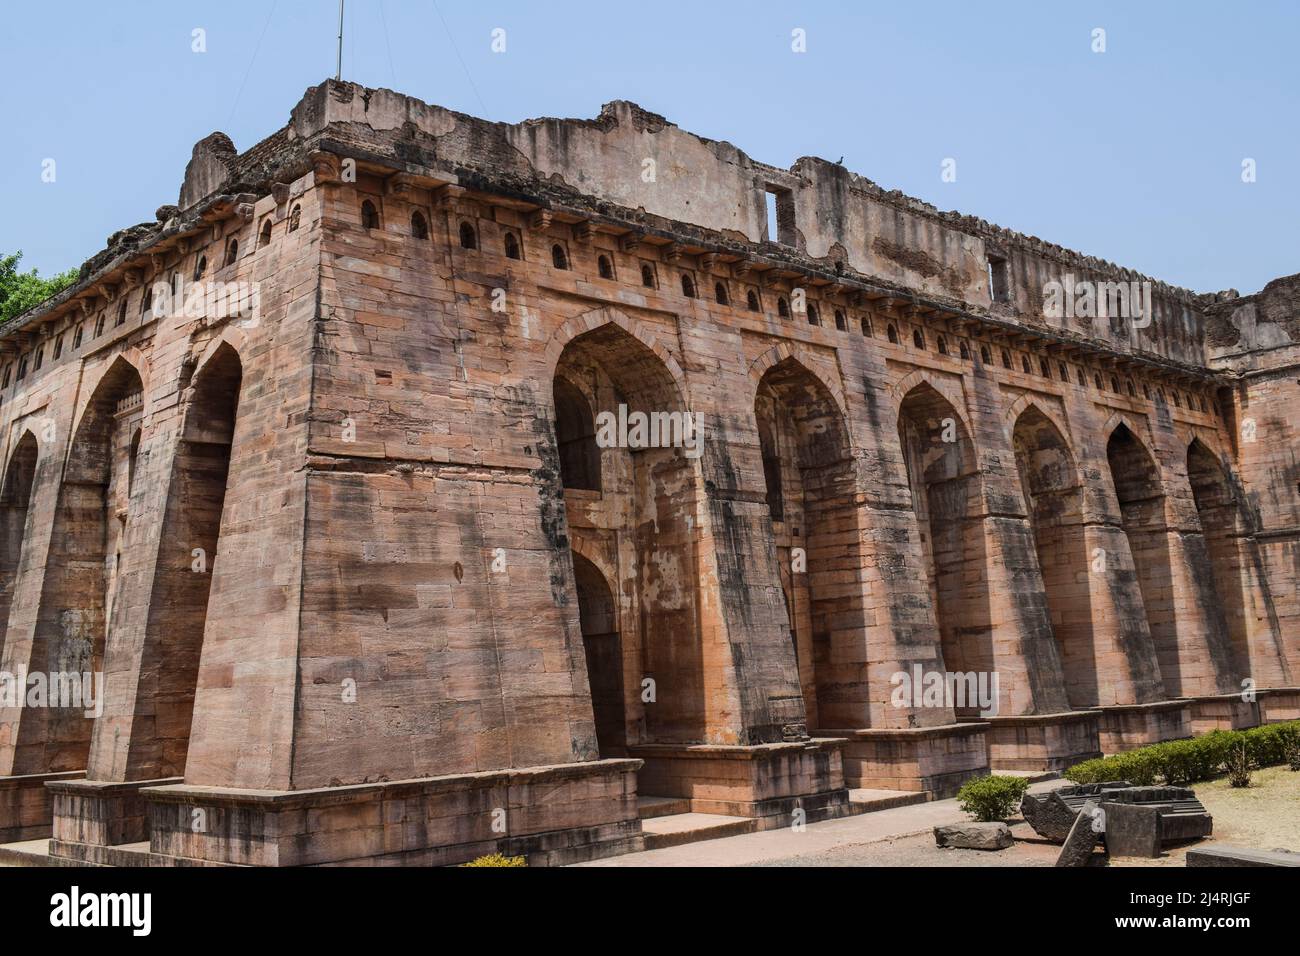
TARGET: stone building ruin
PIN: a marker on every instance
(308, 470)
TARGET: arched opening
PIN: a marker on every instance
(512, 246)
(892, 334)
(751, 300)
(1221, 524)
(947, 498)
(1142, 513)
(720, 294)
(295, 217)
(559, 258)
(782, 307)
(15, 496)
(264, 239)
(647, 275)
(189, 549)
(918, 339)
(604, 267)
(808, 469)
(642, 523)
(598, 619)
(841, 323)
(468, 238)
(419, 225)
(1053, 493)
(232, 252)
(83, 566)
(688, 286)
(575, 433)
(369, 215)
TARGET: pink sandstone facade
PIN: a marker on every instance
(364, 585)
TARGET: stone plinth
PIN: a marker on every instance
(766, 782)
(1223, 712)
(1042, 741)
(1129, 726)
(91, 816)
(1278, 704)
(934, 759)
(27, 807)
(551, 815)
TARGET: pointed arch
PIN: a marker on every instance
(784, 351)
(15, 499)
(944, 386)
(810, 481)
(595, 319)
(1053, 489)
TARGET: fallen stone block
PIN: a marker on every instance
(1226, 855)
(974, 836)
(1052, 815)
(1132, 829)
(1082, 838)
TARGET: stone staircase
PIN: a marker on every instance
(668, 821)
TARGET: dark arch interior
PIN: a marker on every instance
(15, 496)
(946, 496)
(808, 471)
(575, 432)
(1054, 498)
(598, 617)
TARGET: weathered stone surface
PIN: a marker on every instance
(1223, 854)
(974, 836)
(1132, 829)
(366, 532)
(1049, 813)
(1082, 838)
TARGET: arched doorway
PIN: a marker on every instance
(1141, 499)
(638, 515)
(1217, 506)
(598, 618)
(15, 496)
(1053, 492)
(809, 478)
(946, 496)
(83, 565)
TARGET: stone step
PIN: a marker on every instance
(869, 801)
(648, 807)
(679, 828)
(26, 853)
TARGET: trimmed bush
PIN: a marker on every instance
(992, 799)
(1182, 762)
(496, 859)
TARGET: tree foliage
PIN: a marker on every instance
(19, 291)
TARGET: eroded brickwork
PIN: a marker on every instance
(367, 579)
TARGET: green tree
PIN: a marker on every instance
(19, 291)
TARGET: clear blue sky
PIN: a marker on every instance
(1133, 154)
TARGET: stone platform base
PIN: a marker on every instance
(1223, 712)
(27, 807)
(92, 817)
(1278, 704)
(1042, 741)
(1129, 726)
(551, 815)
(766, 782)
(934, 759)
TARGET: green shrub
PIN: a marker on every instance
(1291, 746)
(992, 798)
(496, 859)
(1182, 762)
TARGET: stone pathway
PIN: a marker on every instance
(823, 842)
